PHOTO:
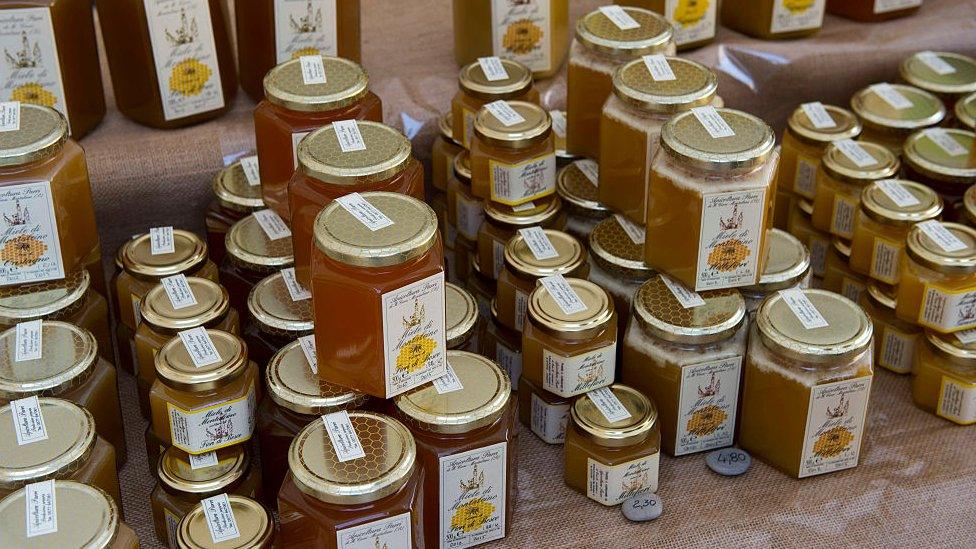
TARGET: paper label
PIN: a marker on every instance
(467, 126)
(28, 420)
(613, 484)
(497, 258)
(307, 343)
(819, 248)
(590, 169)
(313, 70)
(413, 334)
(30, 247)
(728, 249)
(608, 404)
(803, 308)
(521, 309)
(252, 170)
(199, 346)
(295, 289)
(548, 421)
(835, 425)
(619, 17)
(901, 196)
(855, 153)
(818, 115)
(42, 508)
(349, 137)
(504, 112)
(215, 427)
(558, 123)
(493, 68)
(805, 178)
(842, 216)
(367, 214)
(220, 518)
(470, 214)
(897, 350)
(28, 341)
(473, 488)
(891, 96)
(943, 237)
(161, 240)
(510, 360)
(538, 242)
(343, 435)
(513, 184)
(172, 526)
(685, 297)
(178, 291)
(707, 405)
(692, 21)
(957, 401)
(273, 225)
(522, 31)
(305, 27)
(636, 233)
(569, 376)
(563, 294)
(31, 72)
(448, 383)
(791, 16)
(136, 309)
(296, 138)
(657, 65)
(885, 259)
(930, 58)
(9, 116)
(389, 533)
(945, 141)
(202, 461)
(852, 289)
(712, 121)
(947, 311)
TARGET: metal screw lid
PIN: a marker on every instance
(293, 385)
(598, 33)
(694, 85)
(387, 153)
(68, 358)
(660, 313)
(926, 110)
(42, 132)
(472, 81)
(920, 74)
(632, 430)
(839, 166)
(346, 83)
(249, 247)
(686, 139)
(847, 334)
(846, 126)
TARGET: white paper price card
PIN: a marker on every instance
(687, 298)
(493, 68)
(367, 214)
(714, 124)
(202, 461)
(590, 169)
(966, 337)
(608, 404)
(295, 288)
(504, 112)
(343, 435)
(200, 347)
(803, 308)
(349, 136)
(855, 153)
(178, 291)
(619, 17)
(28, 420)
(898, 193)
(252, 170)
(538, 242)
(220, 518)
(448, 383)
(563, 294)
(27, 341)
(307, 344)
(945, 141)
(818, 115)
(42, 508)
(634, 231)
(161, 240)
(273, 225)
(933, 61)
(9, 116)
(659, 68)
(524, 207)
(891, 96)
(313, 70)
(943, 237)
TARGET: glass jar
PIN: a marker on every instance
(503, 222)
(255, 526)
(938, 278)
(838, 276)
(533, 32)
(944, 378)
(185, 398)
(945, 160)
(462, 324)
(872, 11)
(482, 288)
(292, 109)
(804, 142)
(818, 242)
(171, 63)
(525, 265)
(275, 318)
(787, 266)
(671, 350)
(711, 201)
(513, 163)
(234, 198)
(475, 90)
(69, 368)
(251, 256)
(888, 210)
(282, 30)
(544, 413)
(443, 152)
(465, 211)
(570, 353)
(774, 19)
(579, 194)
(71, 451)
(467, 443)
(325, 502)
(464, 253)
(950, 76)
(558, 118)
(392, 278)
(182, 483)
(610, 461)
(892, 112)
(694, 23)
(325, 173)
(631, 123)
(600, 46)
(842, 178)
(617, 263)
(965, 111)
(503, 345)
(894, 339)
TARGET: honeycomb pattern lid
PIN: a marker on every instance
(625, 432)
(546, 314)
(275, 312)
(189, 253)
(249, 247)
(387, 153)
(176, 474)
(42, 132)
(874, 111)
(50, 299)
(235, 192)
(292, 384)
(461, 315)
(846, 126)
(472, 81)
(694, 85)
(846, 335)
(787, 263)
(686, 139)
(918, 71)
(212, 304)
(569, 260)
(535, 127)
(541, 211)
(924, 155)
(966, 111)
(599, 33)
(615, 251)
(346, 82)
(87, 517)
(929, 253)
(68, 357)
(176, 369)
(661, 314)
(254, 522)
(66, 448)
(839, 166)
(880, 206)
(579, 193)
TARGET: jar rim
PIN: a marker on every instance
(53, 298)
(598, 33)
(686, 140)
(347, 83)
(836, 164)
(659, 313)
(694, 85)
(249, 247)
(545, 313)
(846, 126)
(874, 111)
(962, 79)
(72, 367)
(254, 522)
(923, 155)
(535, 127)
(176, 474)
(879, 206)
(190, 252)
(176, 369)
(212, 303)
(924, 251)
(461, 315)
(293, 385)
(847, 334)
(234, 192)
(387, 152)
(42, 132)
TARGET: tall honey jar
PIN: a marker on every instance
(276, 317)
(235, 196)
(774, 19)
(945, 160)
(809, 130)
(948, 75)
(892, 112)
(503, 222)
(694, 22)
(577, 185)
(443, 152)
(787, 266)
(506, 80)
(895, 340)
(255, 525)
(870, 11)
(251, 255)
(944, 377)
(617, 263)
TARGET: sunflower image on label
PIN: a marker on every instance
(947, 311)
(548, 421)
(208, 429)
(613, 484)
(413, 334)
(693, 20)
(835, 426)
(305, 27)
(728, 246)
(472, 496)
(513, 184)
(185, 55)
(389, 533)
(30, 71)
(805, 178)
(707, 405)
(30, 249)
(794, 15)
(568, 376)
(521, 31)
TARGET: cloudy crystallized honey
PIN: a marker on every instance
(944, 378)
(891, 112)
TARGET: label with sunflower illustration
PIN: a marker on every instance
(389, 533)
(957, 401)
(208, 429)
(613, 484)
(693, 20)
(569, 376)
(305, 27)
(835, 425)
(521, 31)
(185, 55)
(514, 184)
(795, 15)
(548, 421)
(472, 496)
(707, 405)
(30, 71)
(413, 334)
(728, 246)
(30, 248)
(947, 311)
(805, 179)
(897, 350)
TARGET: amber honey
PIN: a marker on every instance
(503, 222)
(475, 90)
(774, 19)
(873, 10)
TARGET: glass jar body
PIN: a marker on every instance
(621, 288)
(947, 295)
(936, 377)
(530, 170)
(773, 19)
(261, 345)
(512, 295)
(836, 204)
(877, 248)
(798, 165)
(585, 462)
(217, 222)
(504, 346)
(465, 211)
(566, 364)
(895, 340)
(494, 236)
(442, 155)
(873, 11)
(817, 241)
(465, 107)
(544, 413)
(239, 281)
(841, 279)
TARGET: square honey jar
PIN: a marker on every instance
(513, 82)
(944, 377)
(892, 112)
(774, 19)
(808, 132)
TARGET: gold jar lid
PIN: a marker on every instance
(472, 81)
(969, 204)
(928, 253)
(962, 79)
(787, 263)
(694, 85)
(878, 205)
(68, 358)
(535, 126)
(86, 517)
(42, 132)
(234, 192)
(950, 347)
(69, 443)
(613, 250)
(928, 158)
(211, 307)
(50, 299)
(275, 312)
(847, 334)
(391, 456)
(249, 247)
(189, 253)
(540, 211)
(548, 316)
(874, 111)
(839, 166)
(254, 522)
(461, 315)
(686, 139)
(846, 126)
(446, 127)
(346, 82)
(345, 239)
(882, 295)
(387, 153)
(462, 167)
(485, 393)
(578, 192)
(842, 247)
(598, 33)
(805, 207)
(293, 385)
(966, 111)
(594, 425)
(175, 473)
(521, 261)
(176, 369)
(661, 314)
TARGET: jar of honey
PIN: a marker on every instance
(815, 240)
(888, 210)
(255, 525)
(467, 438)
(293, 108)
(944, 160)
(482, 288)
(512, 81)
(569, 344)
(577, 185)
(892, 112)
(633, 116)
(465, 211)
(787, 266)
(944, 378)
(872, 11)
(617, 263)
(330, 501)
(894, 339)
(443, 152)
(809, 130)
(838, 276)
(235, 196)
(948, 75)
(503, 345)
(965, 111)
(559, 132)
(462, 324)
(544, 413)
(171, 64)
(612, 458)
(694, 23)
(503, 222)
(710, 203)
(251, 256)
(601, 45)
(463, 253)
(774, 19)
(275, 318)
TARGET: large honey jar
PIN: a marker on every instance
(774, 19)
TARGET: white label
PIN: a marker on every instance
(307, 343)
(10, 116)
(199, 346)
(791, 16)
(313, 70)
(897, 350)
(563, 294)
(449, 382)
(28, 340)
(569, 376)
(945, 141)
(473, 489)
(687, 298)
(184, 50)
(295, 289)
(470, 213)
(891, 96)
(538, 242)
(510, 360)
(220, 518)
(944, 238)
(657, 65)
(366, 213)
(590, 169)
(930, 58)
(835, 425)
(413, 334)
(901, 196)
(842, 216)
(947, 312)
(712, 121)
(504, 112)
(634, 231)
(618, 16)
(548, 421)
(251, 168)
(28, 420)
(852, 289)
(513, 184)
(389, 533)
(803, 308)
(614, 484)
(608, 404)
(692, 21)
(209, 429)
(172, 526)
(305, 27)
(731, 229)
(523, 207)
(493, 68)
(467, 126)
(885, 257)
(966, 336)
(805, 179)
(42, 508)
(349, 136)
(818, 115)
(523, 31)
(884, 6)
(178, 291)
(957, 401)
(343, 435)
(558, 123)
(855, 153)
(161, 240)
(30, 248)
(202, 461)
(497, 258)
(31, 72)
(521, 309)
(707, 405)
(819, 248)
(296, 138)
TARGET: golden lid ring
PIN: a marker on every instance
(535, 127)
(961, 80)
(461, 315)
(593, 424)
(275, 312)
(542, 212)
(444, 126)
(950, 347)
(68, 445)
(472, 81)
(255, 523)
(966, 111)
(86, 517)
(846, 126)
(462, 167)
(42, 132)
(969, 205)
(291, 384)
(189, 253)
(69, 354)
(614, 250)
(212, 305)
(685, 138)
(787, 263)
(928, 158)
(176, 369)
(346, 83)
(660, 313)
(387, 153)
(695, 85)
(175, 473)
(578, 193)
(598, 33)
(249, 247)
(880, 207)
(234, 192)
(846, 336)
(874, 111)
(521, 261)
(926, 252)
(544, 312)
(50, 299)
(882, 295)
(839, 166)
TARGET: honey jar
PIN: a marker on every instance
(892, 112)
(944, 378)
(235, 196)
(895, 340)
(443, 152)
(503, 222)
(512, 81)
(807, 383)
(251, 256)
(711, 199)
(464, 252)
(945, 160)
(694, 23)
(503, 345)
(774, 19)
(254, 524)
(276, 317)
(482, 288)
(787, 266)
(462, 324)
(948, 75)
(838, 276)
(617, 263)
(465, 211)
(577, 185)
(559, 131)
(809, 130)
(817, 241)
(965, 111)
(544, 413)
(871, 11)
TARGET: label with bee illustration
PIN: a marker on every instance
(209, 429)
(796, 15)
(693, 20)
(835, 425)
(728, 246)
(514, 184)
(30, 71)
(947, 311)
(521, 31)
(389, 533)
(30, 249)
(707, 405)
(568, 376)
(614, 484)
(413, 334)
(185, 55)
(473, 486)
(305, 27)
